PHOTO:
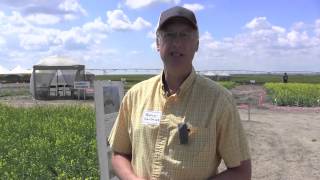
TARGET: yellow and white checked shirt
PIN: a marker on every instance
(212, 118)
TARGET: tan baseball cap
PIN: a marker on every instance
(177, 12)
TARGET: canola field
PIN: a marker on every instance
(48, 142)
(294, 94)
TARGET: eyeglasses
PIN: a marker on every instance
(170, 36)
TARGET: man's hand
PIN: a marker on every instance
(121, 164)
(242, 172)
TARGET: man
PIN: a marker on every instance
(178, 125)
(285, 78)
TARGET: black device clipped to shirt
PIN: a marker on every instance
(183, 133)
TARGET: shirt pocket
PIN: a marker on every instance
(199, 151)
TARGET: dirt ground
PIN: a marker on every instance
(284, 145)
(284, 141)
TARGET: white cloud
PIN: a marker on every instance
(263, 34)
(72, 6)
(293, 36)
(2, 42)
(258, 23)
(39, 10)
(262, 46)
(96, 26)
(19, 3)
(69, 17)
(140, 23)
(33, 42)
(30, 37)
(135, 4)
(317, 27)
(43, 19)
(16, 20)
(3, 70)
(75, 38)
(19, 70)
(278, 29)
(299, 25)
(317, 23)
(300, 39)
(194, 7)
(120, 21)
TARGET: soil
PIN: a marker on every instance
(284, 141)
(283, 145)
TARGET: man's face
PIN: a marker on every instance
(177, 44)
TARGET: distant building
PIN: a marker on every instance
(54, 77)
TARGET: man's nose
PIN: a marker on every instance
(177, 41)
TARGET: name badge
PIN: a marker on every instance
(151, 117)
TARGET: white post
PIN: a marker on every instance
(101, 134)
(104, 123)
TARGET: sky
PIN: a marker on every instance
(269, 35)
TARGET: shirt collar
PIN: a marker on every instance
(183, 87)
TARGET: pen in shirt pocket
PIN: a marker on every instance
(185, 131)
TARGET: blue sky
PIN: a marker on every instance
(273, 35)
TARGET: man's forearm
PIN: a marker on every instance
(243, 172)
(122, 166)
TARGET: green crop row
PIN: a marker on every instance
(227, 84)
(20, 92)
(294, 94)
(48, 142)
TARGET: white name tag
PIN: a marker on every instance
(151, 117)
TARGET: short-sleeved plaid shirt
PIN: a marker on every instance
(215, 130)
